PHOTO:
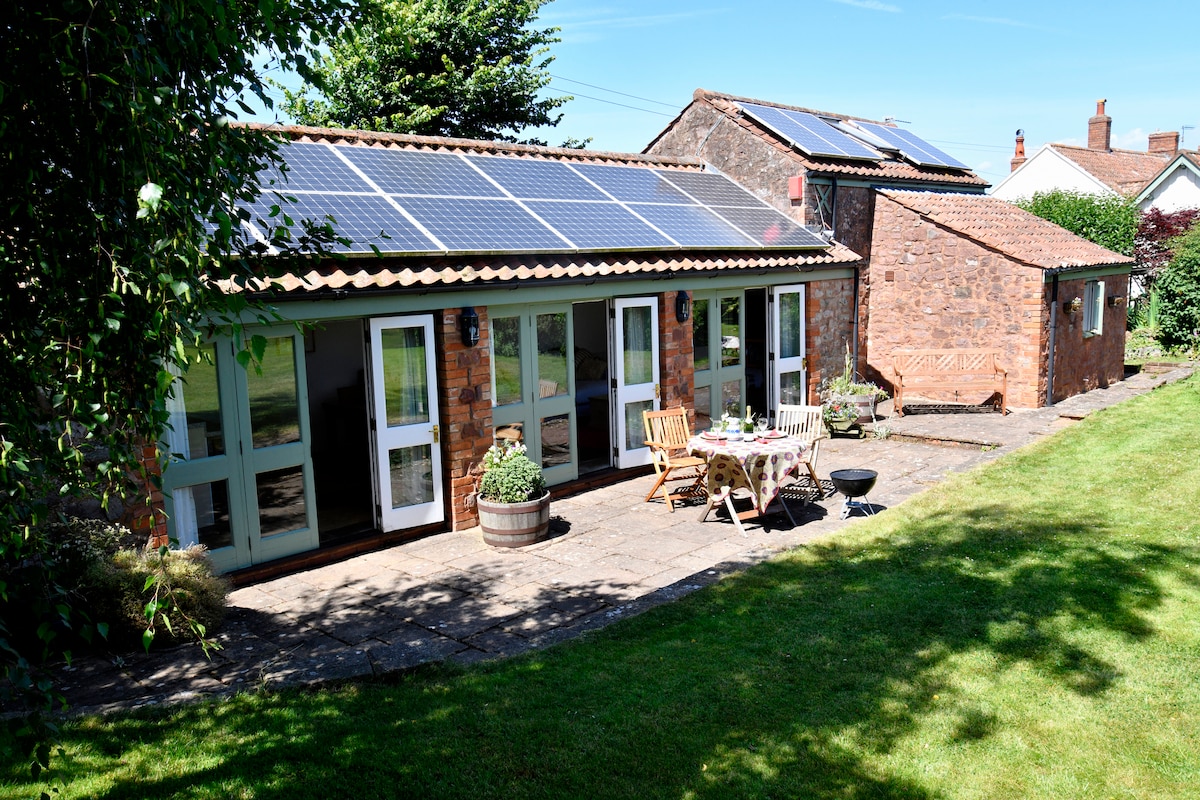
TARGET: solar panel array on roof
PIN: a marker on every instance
(911, 146)
(411, 201)
(810, 133)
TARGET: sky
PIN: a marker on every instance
(964, 75)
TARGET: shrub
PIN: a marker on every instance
(1179, 294)
(509, 476)
(118, 592)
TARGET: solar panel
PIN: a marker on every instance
(312, 167)
(484, 225)
(540, 180)
(691, 226)
(364, 219)
(420, 173)
(809, 132)
(631, 184)
(599, 226)
(711, 188)
(912, 147)
(769, 227)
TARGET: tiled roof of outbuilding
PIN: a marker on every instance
(1008, 229)
(890, 168)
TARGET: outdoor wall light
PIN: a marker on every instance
(683, 307)
(1116, 300)
(468, 323)
(1073, 306)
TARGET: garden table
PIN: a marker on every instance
(757, 463)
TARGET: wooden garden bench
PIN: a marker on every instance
(960, 370)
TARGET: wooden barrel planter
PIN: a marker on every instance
(514, 524)
(865, 403)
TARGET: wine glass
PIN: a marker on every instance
(760, 425)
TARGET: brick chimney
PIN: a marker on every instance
(1100, 129)
(1019, 154)
(1164, 142)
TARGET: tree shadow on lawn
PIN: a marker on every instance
(788, 680)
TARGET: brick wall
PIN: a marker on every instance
(829, 316)
(144, 513)
(465, 406)
(931, 288)
(1085, 363)
(676, 369)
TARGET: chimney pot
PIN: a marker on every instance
(1100, 129)
(1019, 154)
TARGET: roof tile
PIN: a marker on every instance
(1126, 172)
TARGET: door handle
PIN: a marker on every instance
(435, 434)
(657, 391)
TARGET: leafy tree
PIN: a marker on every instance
(1178, 286)
(1110, 222)
(467, 68)
(1155, 232)
(118, 169)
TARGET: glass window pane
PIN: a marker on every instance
(202, 400)
(202, 515)
(552, 354)
(700, 354)
(281, 505)
(556, 441)
(791, 388)
(405, 386)
(506, 359)
(731, 331)
(731, 398)
(274, 410)
(703, 397)
(411, 473)
(790, 333)
(635, 428)
(639, 345)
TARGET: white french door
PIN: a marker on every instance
(788, 365)
(635, 353)
(406, 457)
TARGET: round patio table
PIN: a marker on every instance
(756, 463)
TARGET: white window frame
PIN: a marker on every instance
(1093, 308)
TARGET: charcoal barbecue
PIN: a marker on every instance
(854, 483)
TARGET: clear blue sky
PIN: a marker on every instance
(964, 75)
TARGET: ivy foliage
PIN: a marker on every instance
(1110, 222)
(466, 68)
(116, 237)
(1178, 287)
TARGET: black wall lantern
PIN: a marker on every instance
(468, 323)
(683, 307)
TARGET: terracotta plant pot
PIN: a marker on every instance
(514, 524)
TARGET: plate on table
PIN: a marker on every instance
(715, 437)
(773, 434)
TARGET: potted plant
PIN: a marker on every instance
(840, 415)
(511, 497)
(846, 389)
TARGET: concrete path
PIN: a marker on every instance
(451, 597)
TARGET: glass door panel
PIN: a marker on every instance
(789, 378)
(636, 349)
(407, 458)
(554, 406)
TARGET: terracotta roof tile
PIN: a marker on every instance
(423, 273)
(890, 168)
(1002, 226)
(1123, 171)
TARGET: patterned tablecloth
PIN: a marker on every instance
(759, 465)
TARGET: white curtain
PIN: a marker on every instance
(178, 446)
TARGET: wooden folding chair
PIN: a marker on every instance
(807, 424)
(668, 433)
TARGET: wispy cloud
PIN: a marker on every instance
(590, 25)
(1012, 23)
(870, 5)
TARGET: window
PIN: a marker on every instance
(1093, 308)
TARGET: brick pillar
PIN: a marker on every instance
(465, 406)
(146, 514)
(676, 368)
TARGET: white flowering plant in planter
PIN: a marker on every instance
(509, 476)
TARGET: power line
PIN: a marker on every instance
(622, 105)
(614, 91)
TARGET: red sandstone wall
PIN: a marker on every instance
(465, 406)
(676, 369)
(1085, 363)
(931, 288)
(829, 315)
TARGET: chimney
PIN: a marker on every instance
(1019, 154)
(1100, 129)
(1164, 142)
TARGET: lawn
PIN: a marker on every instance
(1027, 630)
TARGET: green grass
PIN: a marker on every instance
(1027, 630)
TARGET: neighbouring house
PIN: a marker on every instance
(1101, 169)
(944, 266)
(1176, 187)
(540, 294)
(973, 271)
